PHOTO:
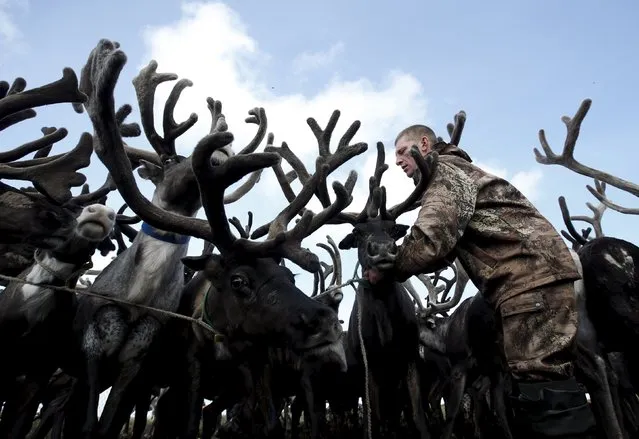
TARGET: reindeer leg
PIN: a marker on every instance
(612, 427)
(297, 406)
(414, 386)
(103, 337)
(454, 400)
(498, 400)
(130, 358)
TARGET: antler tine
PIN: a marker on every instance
(427, 167)
(244, 232)
(54, 176)
(87, 197)
(317, 276)
(448, 282)
(218, 120)
(565, 214)
(99, 76)
(455, 130)
(433, 291)
(567, 159)
(326, 270)
(257, 116)
(410, 288)
(333, 250)
(597, 214)
(145, 84)
(61, 91)
(599, 193)
(51, 136)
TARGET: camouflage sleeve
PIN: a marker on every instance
(447, 206)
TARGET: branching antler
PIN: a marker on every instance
(567, 159)
(376, 202)
(145, 84)
(455, 128)
(52, 176)
(459, 280)
(336, 268)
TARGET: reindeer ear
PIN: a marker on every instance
(399, 231)
(150, 171)
(348, 242)
(196, 263)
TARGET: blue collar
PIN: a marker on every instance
(161, 235)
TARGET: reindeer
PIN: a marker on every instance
(607, 295)
(247, 280)
(468, 339)
(385, 332)
(35, 321)
(36, 217)
(592, 365)
(150, 271)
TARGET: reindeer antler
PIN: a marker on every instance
(567, 159)
(459, 280)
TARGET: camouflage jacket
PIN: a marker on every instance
(504, 243)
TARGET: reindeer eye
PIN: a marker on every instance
(237, 282)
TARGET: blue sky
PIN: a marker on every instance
(514, 67)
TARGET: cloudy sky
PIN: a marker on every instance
(514, 67)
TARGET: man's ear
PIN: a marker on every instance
(424, 145)
(348, 242)
(150, 171)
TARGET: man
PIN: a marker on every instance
(516, 258)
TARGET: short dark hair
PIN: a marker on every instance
(417, 132)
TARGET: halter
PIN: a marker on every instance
(37, 256)
(164, 236)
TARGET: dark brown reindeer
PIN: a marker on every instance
(383, 312)
(469, 339)
(35, 321)
(609, 267)
(247, 278)
(277, 339)
(592, 366)
(150, 271)
(41, 216)
(35, 218)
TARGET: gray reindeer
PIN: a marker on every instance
(149, 272)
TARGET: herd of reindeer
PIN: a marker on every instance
(225, 344)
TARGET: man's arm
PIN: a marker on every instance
(447, 207)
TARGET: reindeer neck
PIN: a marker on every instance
(384, 290)
(48, 270)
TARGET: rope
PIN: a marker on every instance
(367, 396)
(198, 322)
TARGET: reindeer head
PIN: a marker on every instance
(375, 230)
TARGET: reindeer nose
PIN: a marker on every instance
(372, 248)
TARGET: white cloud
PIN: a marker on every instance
(10, 34)
(315, 60)
(210, 45)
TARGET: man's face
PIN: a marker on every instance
(403, 158)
